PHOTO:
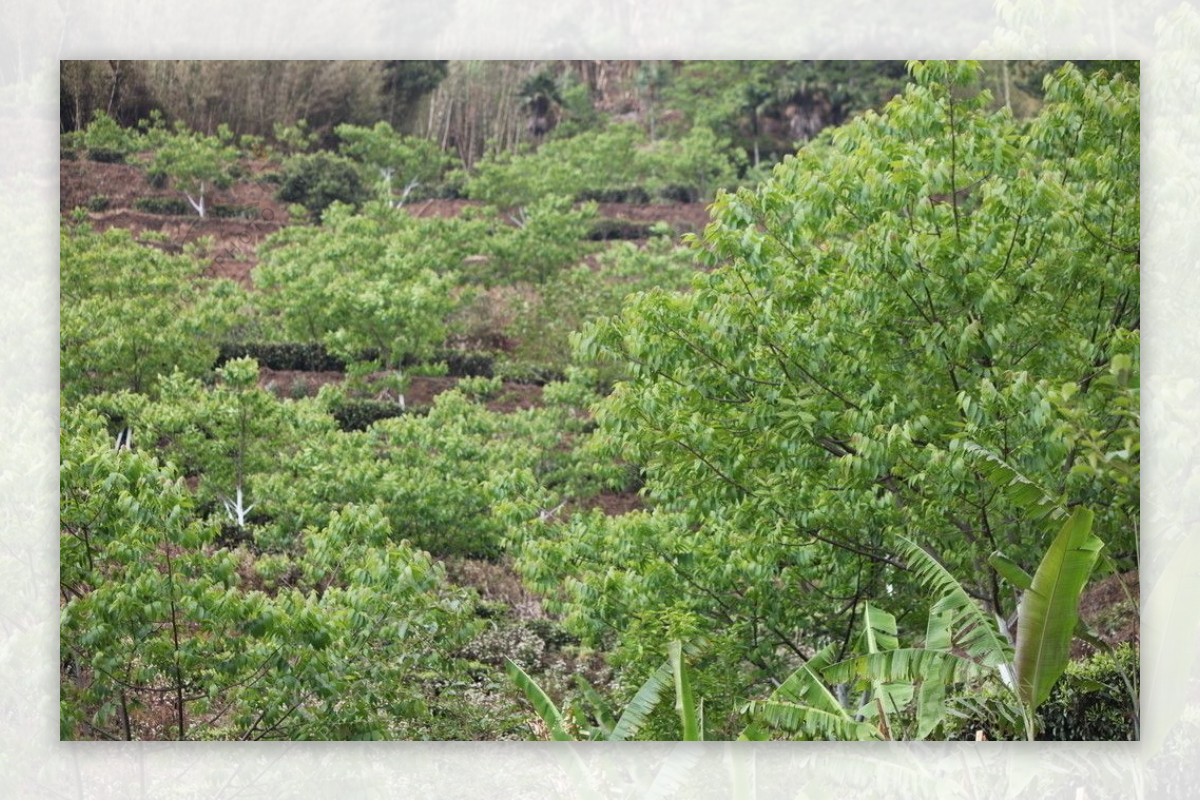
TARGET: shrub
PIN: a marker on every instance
(196, 164)
(360, 282)
(675, 193)
(1092, 700)
(607, 228)
(465, 364)
(359, 415)
(635, 194)
(130, 312)
(549, 236)
(234, 211)
(392, 160)
(98, 202)
(307, 356)
(106, 141)
(592, 162)
(315, 181)
(162, 205)
(69, 144)
(156, 178)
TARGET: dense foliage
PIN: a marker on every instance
(841, 466)
(614, 159)
(131, 313)
(196, 164)
(928, 277)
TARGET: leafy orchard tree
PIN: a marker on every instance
(130, 313)
(195, 163)
(922, 278)
(166, 635)
(360, 283)
(699, 162)
(412, 159)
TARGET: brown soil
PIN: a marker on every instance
(1111, 609)
(234, 241)
(494, 581)
(611, 503)
(683, 217)
(296, 383)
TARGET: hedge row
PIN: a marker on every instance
(358, 415)
(674, 193)
(609, 228)
(310, 357)
(177, 207)
(313, 357)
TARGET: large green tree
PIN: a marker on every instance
(923, 278)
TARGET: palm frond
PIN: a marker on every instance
(638, 710)
(811, 722)
(974, 631)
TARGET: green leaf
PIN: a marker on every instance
(1020, 489)
(600, 708)
(638, 710)
(685, 704)
(1011, 571)
(541, 702)
(1049, 609)
(975, 631)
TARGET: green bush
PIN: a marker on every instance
(105, 156)
(197, 165)
(69, 145)
(361, 281)
(233, 211)
(549, 236)
(106, 141)
(98, 202)
(1091, 702)
(467, 364)
(576, 296)
(317, 180)
(306, 356)
(315, 357)
(156, 178)
(616, 164)
(592, 162)
(634, 194)
(163, 205)
(359, 415)
(130, 313)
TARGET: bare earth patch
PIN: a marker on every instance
(1111, 609)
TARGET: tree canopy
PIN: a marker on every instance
(909, 294)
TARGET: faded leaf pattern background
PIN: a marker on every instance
(34, 36)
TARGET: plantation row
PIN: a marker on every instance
(883, 405)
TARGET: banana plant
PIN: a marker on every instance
(962, 643)
(803, 704)
(637, 711)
